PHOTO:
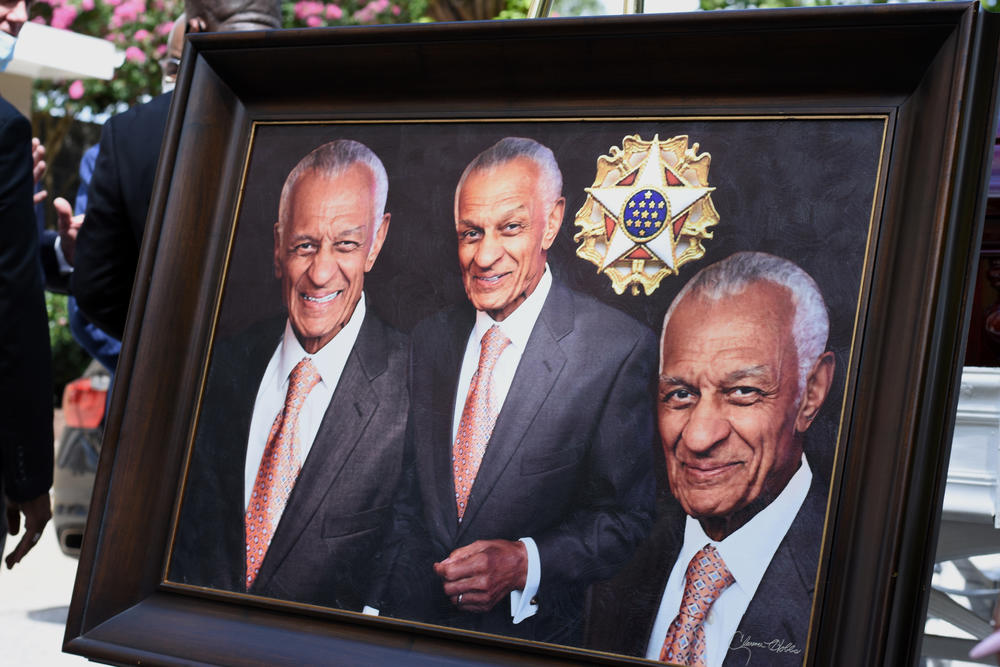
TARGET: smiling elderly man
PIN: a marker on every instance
(300, 442)
(727, 576)
(531, 421)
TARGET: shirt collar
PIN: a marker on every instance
(518, 325)
(748, 551)
(329, 357)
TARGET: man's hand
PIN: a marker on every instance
(69, 227)
(479, 575)
(37, 513)
(38, 166)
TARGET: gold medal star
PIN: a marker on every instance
(650, 176)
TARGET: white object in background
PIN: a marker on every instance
(43, 52)
(971, 493)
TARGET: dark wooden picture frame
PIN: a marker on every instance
(928, 72)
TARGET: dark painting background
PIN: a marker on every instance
(797, 188)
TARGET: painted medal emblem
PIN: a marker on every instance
(647, 213)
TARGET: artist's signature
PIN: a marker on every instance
(747, 643)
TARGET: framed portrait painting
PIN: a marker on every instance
(546, 342)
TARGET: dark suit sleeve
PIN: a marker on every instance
(25, 365)
(106, 253)
(618, 491)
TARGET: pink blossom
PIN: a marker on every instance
(134, 54)
(307, 8)
(112, 3)
(141, 35)
(161, 50)
(164, 28)
(126, 12)
(396, 10)
(76, 90)
(86, 5)
(38, 19)
(334, 12)
(314, 21)
(63, 17)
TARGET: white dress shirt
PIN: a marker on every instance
(517, 327)
(329, 362)
(747, 553)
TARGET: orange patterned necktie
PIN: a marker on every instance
(706, 577)
(478, 418)
(279, 468)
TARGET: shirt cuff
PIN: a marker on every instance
(64, 266)
(522, 603)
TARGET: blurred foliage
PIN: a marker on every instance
(515, 9)
(68, 359)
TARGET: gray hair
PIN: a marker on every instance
(733, 275)
(506, 150)
(330, 161)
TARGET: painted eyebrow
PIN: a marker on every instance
(517, 209)
(752, 373)
(359, 229)
(504, 216)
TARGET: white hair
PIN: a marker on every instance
(733, 275)
(330, 161)
(506, 150)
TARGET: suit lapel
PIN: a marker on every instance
(353, 403)
(790, 578)
(541, 363)
(445, 386)
(250, 363)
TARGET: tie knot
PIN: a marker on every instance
(494, 342)
(302, 379)
(706, 577)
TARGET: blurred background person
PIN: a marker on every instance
(26, 442)
(107, 248)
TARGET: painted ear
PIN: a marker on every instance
(817, 388)
(554, 222)
(377, 240)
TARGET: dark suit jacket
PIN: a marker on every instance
(569, 463)
(622, 610)
(107, 247)
(326, 544)
(25, 360)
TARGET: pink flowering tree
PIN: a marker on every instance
(316, 13)
(139, 28)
